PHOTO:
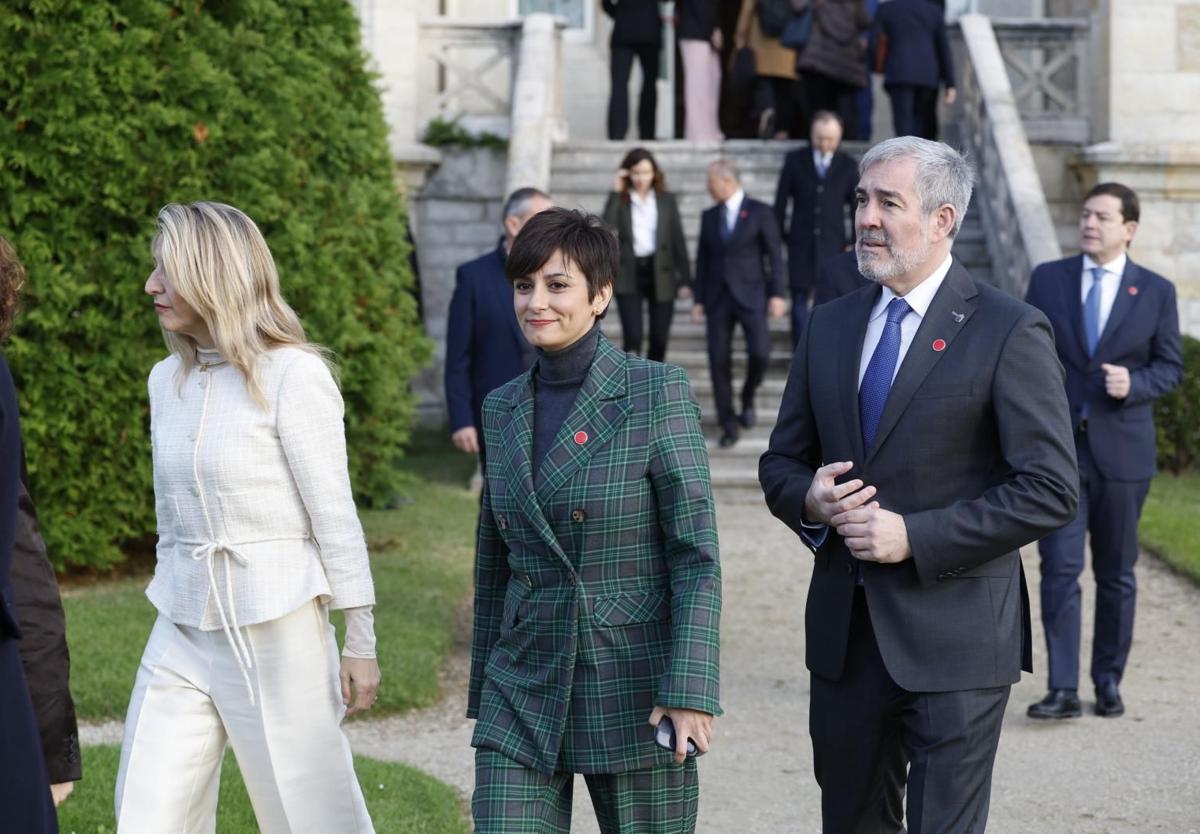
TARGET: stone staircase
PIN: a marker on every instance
(581, 176)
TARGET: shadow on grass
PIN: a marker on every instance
(430, 457)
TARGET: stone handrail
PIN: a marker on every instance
(1016, 217)
(466, 72)
(1049, 69)
(537, 103)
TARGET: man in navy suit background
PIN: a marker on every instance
(739, 280)
(917, 60)
(819, 183)
(1116, 329)
(484, 345)
(838, 276)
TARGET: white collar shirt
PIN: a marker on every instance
(643, 213)
(822, 161)
(1110, 282)
(732, 206)
(919, 298)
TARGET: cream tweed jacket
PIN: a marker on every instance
(255, 512)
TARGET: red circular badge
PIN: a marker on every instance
(939, 345)
(1132, 291)
(581, 437)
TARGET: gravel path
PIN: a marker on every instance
(1139, 773)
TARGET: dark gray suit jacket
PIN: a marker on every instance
(974, 449)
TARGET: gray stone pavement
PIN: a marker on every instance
(1139, 773)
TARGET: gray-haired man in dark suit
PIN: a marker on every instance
(923, 438)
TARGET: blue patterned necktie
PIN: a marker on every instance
(877, 381)
(1091, 311)
(726, 222)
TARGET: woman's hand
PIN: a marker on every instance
(689, 723)
(621, 180)
(360, 679)
(59, 792)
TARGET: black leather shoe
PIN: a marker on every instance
(727, 440)
(1108, 701)
(748, 418)
(1058, 703)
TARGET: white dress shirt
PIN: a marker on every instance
(731, 208)
(255, 513)
(644, 214)
(1109, 284)
(919, 298)
(822, 161)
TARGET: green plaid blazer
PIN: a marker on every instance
(598, 595)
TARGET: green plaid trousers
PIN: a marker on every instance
(510, 798)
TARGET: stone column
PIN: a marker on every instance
(536, 104)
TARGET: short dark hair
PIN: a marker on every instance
(1130, 208)
(12, 279)
(518, 202)
(583, 239)
(642, 155)
(827, 116)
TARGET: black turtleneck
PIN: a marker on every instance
(556, 381)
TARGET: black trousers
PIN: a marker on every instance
(914, 110)
(824, 93)
(25, 801)
(721, 317)
(865, 729)
(629, 306)
(618, 98)
(799, 312)
(780, 94)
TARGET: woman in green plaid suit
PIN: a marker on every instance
(597, 581)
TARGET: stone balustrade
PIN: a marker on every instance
(467, 72)
(1010, 199)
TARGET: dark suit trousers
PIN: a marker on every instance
(914, 110)
(865, 729)
(510, 797)
(799, 312)
(722, 316)
(618, 99)
(629, 306)
(25, 802)
(1109, 510)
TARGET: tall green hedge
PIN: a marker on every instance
(1177, 416)
(111, 108)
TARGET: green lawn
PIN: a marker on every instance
(421, 557)
(1171, 521)
(401, 800)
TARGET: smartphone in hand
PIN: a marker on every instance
(664, 737)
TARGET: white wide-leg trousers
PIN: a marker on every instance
(190, 698)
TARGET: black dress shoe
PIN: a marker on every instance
(1058, 703)
(727, 440)
(748, 418)
(1108, 701)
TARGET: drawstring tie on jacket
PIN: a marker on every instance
(207, 553)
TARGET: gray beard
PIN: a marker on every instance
(875, 269)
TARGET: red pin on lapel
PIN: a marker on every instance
(939, 345)
(743, 214)
(1132, 290)
(581, 437)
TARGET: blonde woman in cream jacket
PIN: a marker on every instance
(258, 538)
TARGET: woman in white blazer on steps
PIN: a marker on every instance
(258, 538)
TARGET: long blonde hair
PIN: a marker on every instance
(219, 263)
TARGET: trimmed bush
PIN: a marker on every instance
(1177, 416)
(110, 109)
